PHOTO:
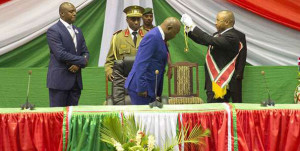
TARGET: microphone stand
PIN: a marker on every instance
(27, 105)
(156, 102)
(268, 102)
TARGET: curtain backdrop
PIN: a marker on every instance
(36, 52)
(22, 21)
(288, 14)
(176, 46)
(268, 43)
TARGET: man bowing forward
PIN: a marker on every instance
(152, 55)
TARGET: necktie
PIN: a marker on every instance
(73, 35)
(134, 37)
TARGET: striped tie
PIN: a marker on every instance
(73, 35)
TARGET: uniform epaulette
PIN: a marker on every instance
(127, 32)
(117, 32)
(141, 32)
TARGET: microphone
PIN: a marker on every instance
(156, 102)
(27, 105)
(268, 102)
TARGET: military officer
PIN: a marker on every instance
(125, 42)
(147, 19)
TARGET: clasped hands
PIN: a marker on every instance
(188, 22)
(75, 68)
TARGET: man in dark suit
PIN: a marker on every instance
(68, 54)
(236, 82)
(152, 55)
(221, 69)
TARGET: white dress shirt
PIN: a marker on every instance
(161, 32)
(71, 31)
(130, 31)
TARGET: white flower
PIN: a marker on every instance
(117, 145)
(151, 142)
(138, 137)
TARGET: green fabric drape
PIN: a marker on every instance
(36, 53)
(196, 53)
(13, 84)
(85, 132)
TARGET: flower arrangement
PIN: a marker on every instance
(125, 135)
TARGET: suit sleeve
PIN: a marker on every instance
(148, 47)
(241, 60)
(84, 51)
(203, 38)
(60, 53)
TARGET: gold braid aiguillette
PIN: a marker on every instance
(186, 49)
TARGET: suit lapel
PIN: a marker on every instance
(67, 34)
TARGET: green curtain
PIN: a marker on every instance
(85, 132)
(36, 53)
(196, 53)
(282, 81)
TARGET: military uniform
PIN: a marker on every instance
(146, 29)
(147, 11)
(122, 45)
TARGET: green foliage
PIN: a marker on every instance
(112, 129)
(130, 126)
(128, 136)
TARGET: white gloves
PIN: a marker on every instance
(187, 21)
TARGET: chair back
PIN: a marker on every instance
(121, 69)
(185, 76)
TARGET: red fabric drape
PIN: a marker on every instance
(269, 130)
(30, 131)
(3, 1)
(216, 122)
(286, 12)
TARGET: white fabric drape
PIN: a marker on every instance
(115, 20)
(268, 43)
(162, 125)
(22, 21)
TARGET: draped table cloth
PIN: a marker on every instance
(243, 127)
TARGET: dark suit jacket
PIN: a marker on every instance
(241, 60)
(63, 55)
(225, 48)
(152, 55)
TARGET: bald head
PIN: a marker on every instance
(225, 19)
(170, 27)
(67, 12)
